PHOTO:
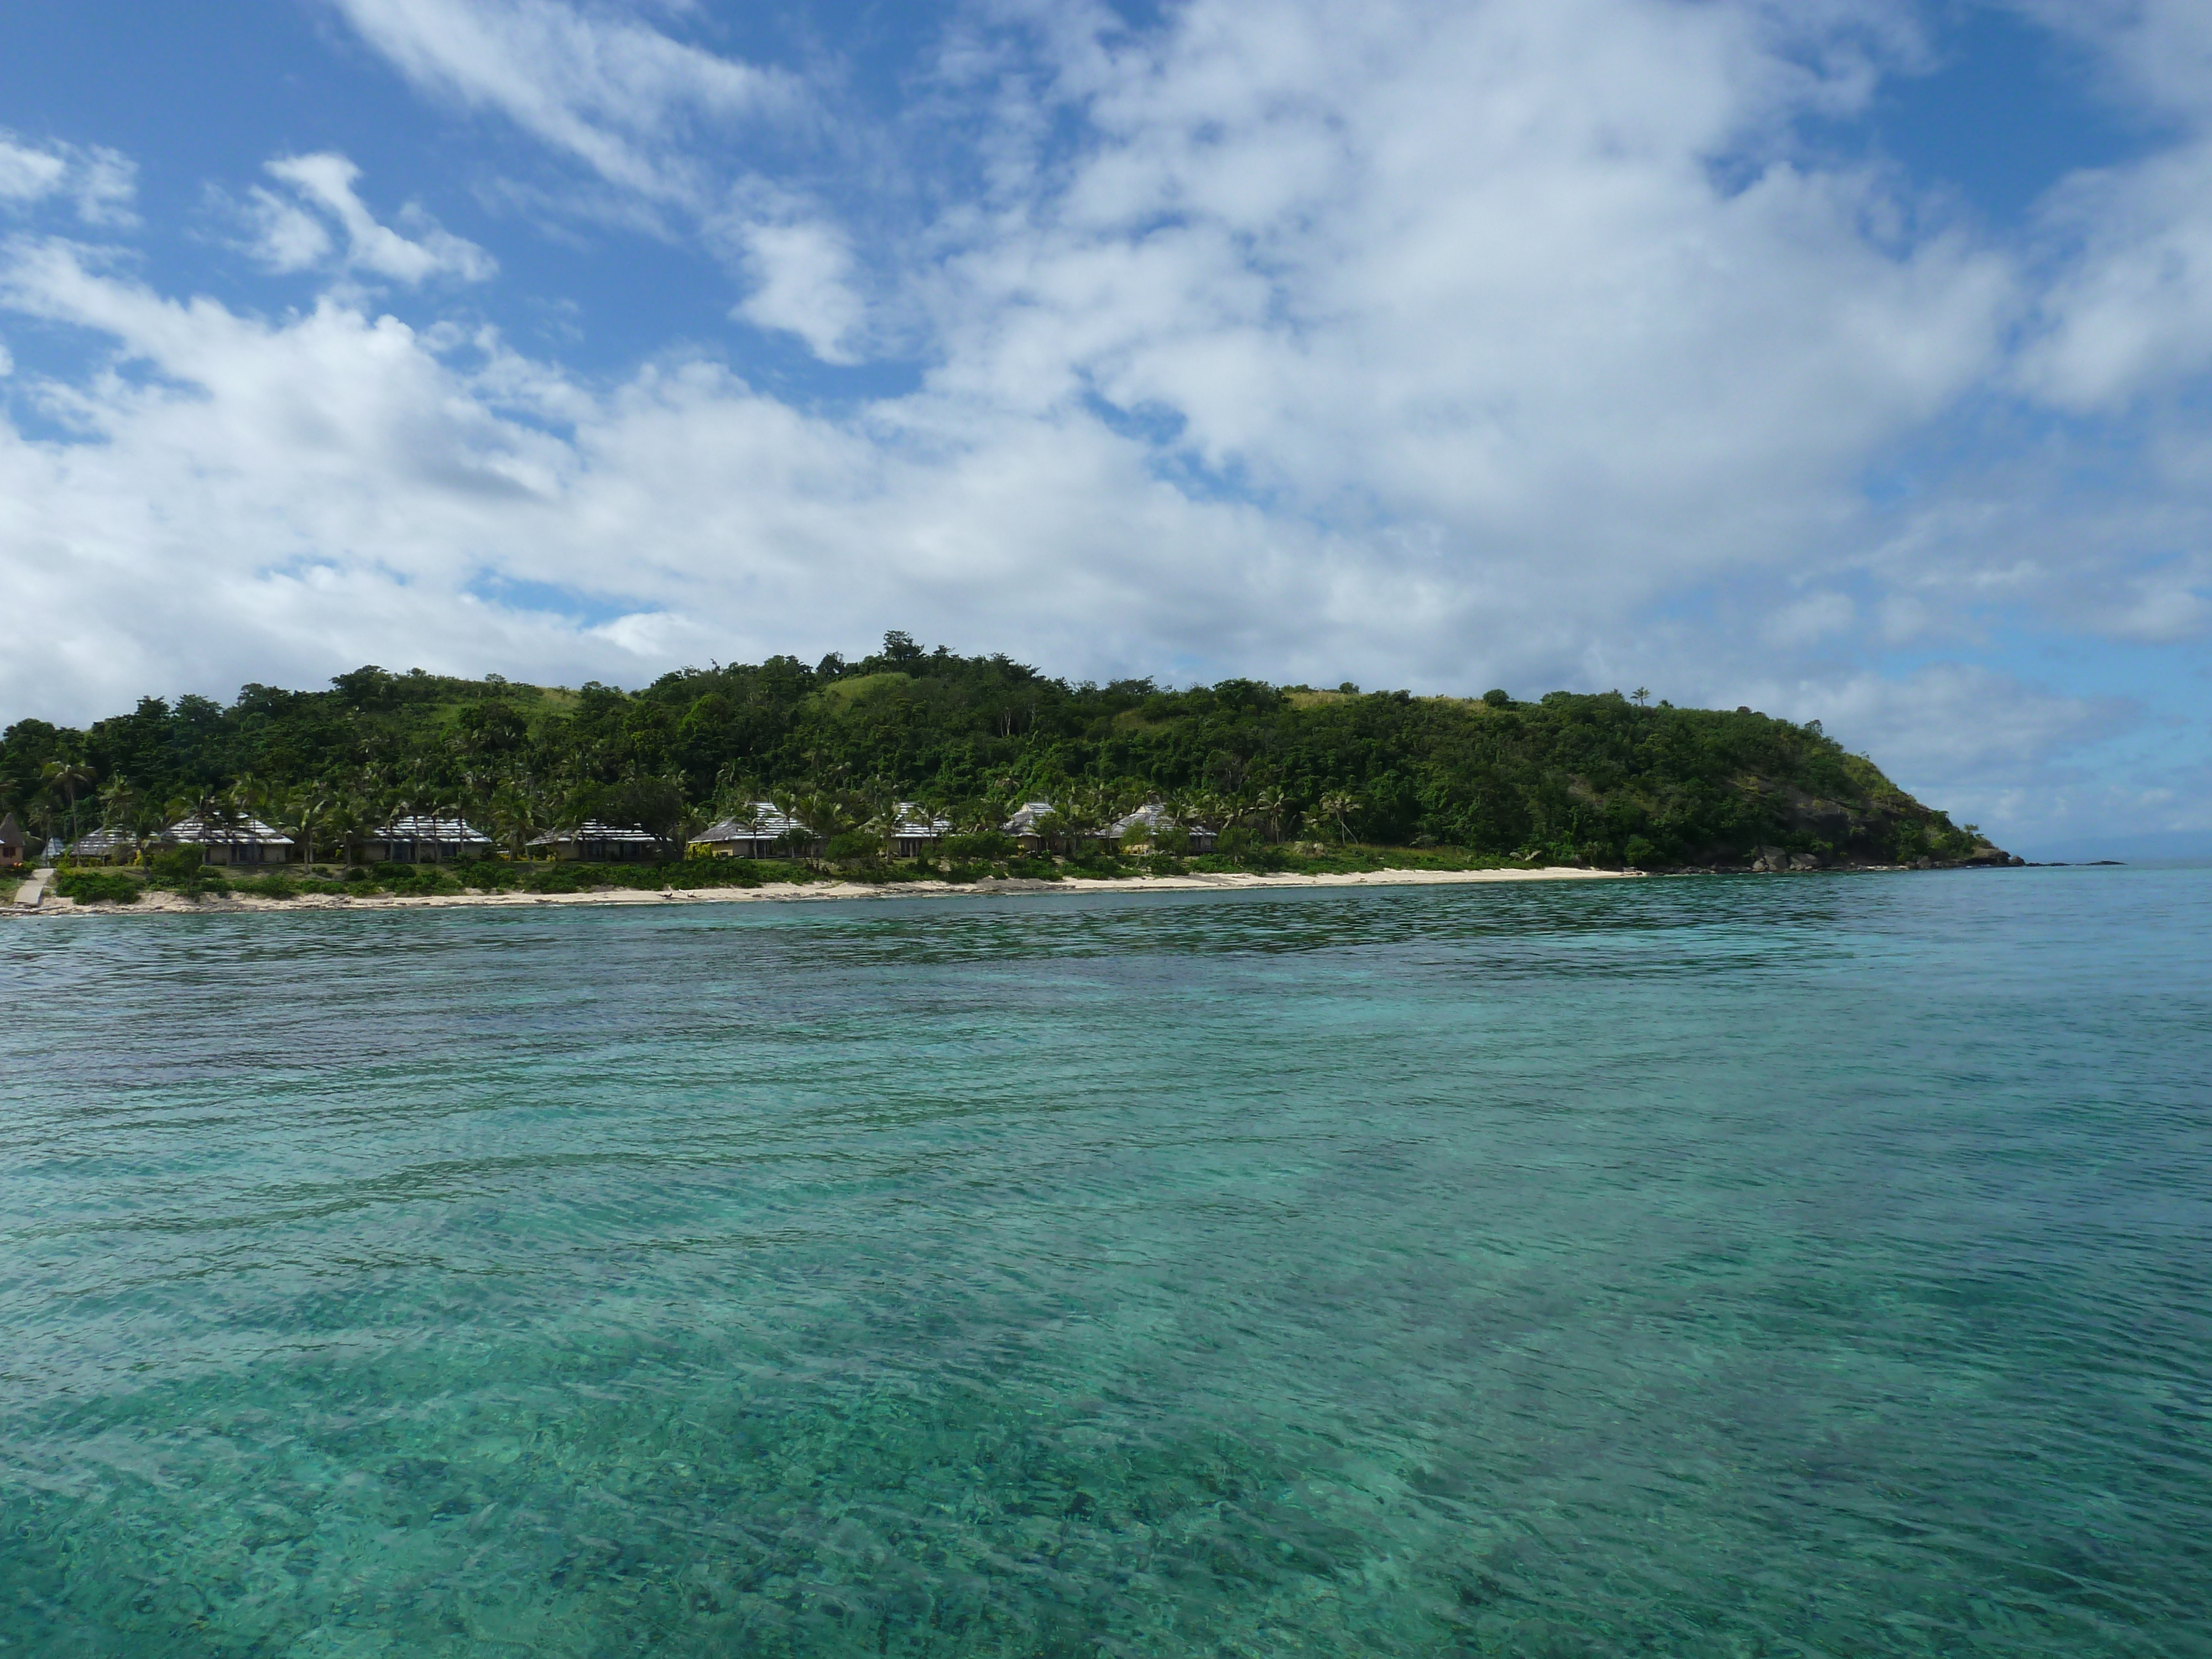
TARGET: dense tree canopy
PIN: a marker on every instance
(1603, 777)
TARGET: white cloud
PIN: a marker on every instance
(100, 181)
(802, 275)
(26, 174)
(289, 237)
(621, 96)
(1517, 342)
(1816, 617)
(1485, 280)
(2130, 309)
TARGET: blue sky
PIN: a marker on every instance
(1848, 359)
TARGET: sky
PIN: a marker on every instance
(1850, 361)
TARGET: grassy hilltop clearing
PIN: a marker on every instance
(1285, 772)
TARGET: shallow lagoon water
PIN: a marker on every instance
(1721, 1266)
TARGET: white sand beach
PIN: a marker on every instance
(49, 903)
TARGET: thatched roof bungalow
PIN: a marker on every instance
(916, 833)
(761, 833)
(1152, 820)
(104, 846)
(12, 840)
(239, 841)
(1029, 824)
(601, 843)
(421, 840)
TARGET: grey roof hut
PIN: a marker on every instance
(601, 843)
(916, 833)
(1152, 820)
(1026, 826)
(763, 833)
(105, 846)
(242, 840)
(424, 840)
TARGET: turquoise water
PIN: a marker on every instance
(1724, 1267)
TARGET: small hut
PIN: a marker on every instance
(916, 833)
(594, 843)
(12, 840)
(1027, 826)
(419, 840)
(104, 846)
(239, 841)
(1152, 820)
(763, 833)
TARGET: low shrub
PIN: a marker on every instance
(695, 873)
(1033, 869)
(182, 870)
(419, 881)
(987, 846)
(175, 864)
(888, 872)
(1095, 866)
(98, 887)
(491, 875)
(267, 887)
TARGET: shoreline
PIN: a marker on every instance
(163, 903)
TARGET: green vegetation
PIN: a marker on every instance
(1291, 777)
(98, 887)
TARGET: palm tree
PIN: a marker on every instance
(42, 814)
(823, 813)
(1080, 815)
(1268, 805)
(120, 805)
(69, 777)
(1338, 805)
(365, 805)
(876, 804)
(516, 814)
(300, 813)
(1220, 813)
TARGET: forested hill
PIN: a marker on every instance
(1602, 777)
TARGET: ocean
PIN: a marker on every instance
(1736, 1267)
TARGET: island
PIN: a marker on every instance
(923, 769)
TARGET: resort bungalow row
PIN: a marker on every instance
(249, 841)
(764, 832)
(239, 841)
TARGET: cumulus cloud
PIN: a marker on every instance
(291, 234)
(802, 275)
(1489, 282)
